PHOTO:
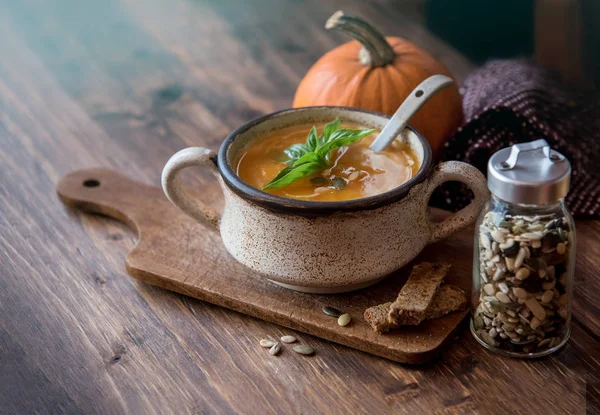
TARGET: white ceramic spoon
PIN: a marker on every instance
(419, 96)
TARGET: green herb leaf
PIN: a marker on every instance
(312, 142)
(341, 138)
(330, 129)
(313, 156)
(292, 173)
(295, 151)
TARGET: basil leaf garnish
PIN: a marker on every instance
(306, 159)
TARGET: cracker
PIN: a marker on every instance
(448, 299)
(417, 294)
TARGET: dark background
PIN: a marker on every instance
(563, 35)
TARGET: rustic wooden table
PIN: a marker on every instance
(124, 84)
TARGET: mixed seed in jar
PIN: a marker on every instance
(523, 269)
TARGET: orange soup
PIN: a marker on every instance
(354, 172)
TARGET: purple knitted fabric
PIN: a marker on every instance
(508, 102)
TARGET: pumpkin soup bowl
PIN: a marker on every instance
(323, 247)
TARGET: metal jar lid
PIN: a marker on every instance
(529, 173)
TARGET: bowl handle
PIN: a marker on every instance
(464, 173)
(192, 156)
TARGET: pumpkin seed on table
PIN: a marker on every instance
(288, 339)
(344, 319)
(333, 312)
(267, 343)
(273, 351)
(303, 349)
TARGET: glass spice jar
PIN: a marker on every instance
(524, 254)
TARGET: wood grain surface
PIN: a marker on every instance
(176, 253)
(124, 84)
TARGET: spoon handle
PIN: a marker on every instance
(419, 96)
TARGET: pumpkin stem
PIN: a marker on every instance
(376, 50)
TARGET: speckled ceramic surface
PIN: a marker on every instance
(324, 247)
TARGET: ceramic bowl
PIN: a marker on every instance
(323, 247)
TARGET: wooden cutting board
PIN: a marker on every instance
(176, 253)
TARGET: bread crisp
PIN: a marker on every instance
(377, 317)
(417, 294)
(448, 299)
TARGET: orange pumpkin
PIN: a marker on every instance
(377, 73)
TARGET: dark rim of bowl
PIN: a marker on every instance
(306, 207)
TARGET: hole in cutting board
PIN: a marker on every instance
(91, 183)
(419, 93)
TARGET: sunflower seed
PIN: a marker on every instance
(333, 312)
(510, 263)
(520, 258)
(267, 343)
(537, 310)
(485, 241)
(503, 287)
(498, 236)
(303, 349)
(509, 242)
(563, 279)
(520, 293)
(562, 311)
(508, 327)
(479, 324)
(344, 319)
(498, 275)
(523, 273)
(488, 339)
(563, 299)
(488, 254)
(549, 285)
(521, 342)
(534, 228)
(288, 339)
(532, 235)
(273, 351)
(503, 297)
(544, 342)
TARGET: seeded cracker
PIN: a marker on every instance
(448, 299)
(417, 294)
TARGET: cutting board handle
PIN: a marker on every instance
(109, 193)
